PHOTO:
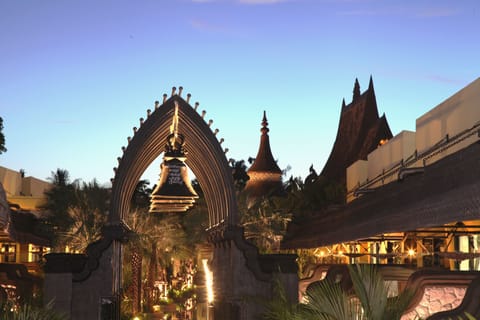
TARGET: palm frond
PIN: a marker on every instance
(370, 289)
(327, 300)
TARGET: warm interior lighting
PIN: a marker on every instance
(411, 252)
(382, 142)
(208, 280)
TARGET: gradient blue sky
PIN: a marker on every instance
(75, 76)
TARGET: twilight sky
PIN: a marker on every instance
(75, 76)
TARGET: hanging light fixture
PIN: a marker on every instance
(173, 192)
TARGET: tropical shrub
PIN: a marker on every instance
(29, 311)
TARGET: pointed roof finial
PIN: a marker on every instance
(356, 90)
(264, 162)
(264, 130)
(344, 106)
(264, 173)
(370, 84)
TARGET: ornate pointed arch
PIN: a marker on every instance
(236, 263)
(205, 158)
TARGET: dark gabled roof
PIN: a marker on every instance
(359, 132)
(446, 192)
(25, 228)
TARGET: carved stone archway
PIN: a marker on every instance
(239, 271)
(205, 158)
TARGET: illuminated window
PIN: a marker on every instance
(36, 253)
(8, 252)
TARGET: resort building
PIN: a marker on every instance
(412, 203)
(20, 240)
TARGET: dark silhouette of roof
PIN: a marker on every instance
(360, 131)
(25, 227)
(265, 175)
(446, 192)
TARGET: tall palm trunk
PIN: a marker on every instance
(151, 276)
(136, 281)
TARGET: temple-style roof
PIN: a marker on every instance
(360, 131)
(265, 175)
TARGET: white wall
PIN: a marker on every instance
(451, 117)
(459, 112)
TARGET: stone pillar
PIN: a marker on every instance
(58, 284)
(58, 289)
(242, 277)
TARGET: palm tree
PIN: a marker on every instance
(89, 213)
(139, 222)
(161, 238)
(326, 300)
(59, 199)
(76, 211)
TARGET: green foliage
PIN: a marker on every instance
(195, 222)
(59, 199)
(326, 300)
(370, 289)
(89, 213)
(141, 195)
(239, 171)
(31, 312)
(76, 211)
(265, 222)
(279, 307)
(314, 195)
(180, 296)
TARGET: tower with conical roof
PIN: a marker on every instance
(265, 175)
(360, 131)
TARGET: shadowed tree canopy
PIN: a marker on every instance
(239, 171)
(76, 211)
(2, 138)
(141, 195)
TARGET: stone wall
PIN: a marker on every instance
(436, 299)
(243, 278)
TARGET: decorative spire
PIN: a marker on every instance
(371, 92)
(344, 106)
(264, 130)
(175, 141)
(356, 90)
(265, 177)
(264, 162)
